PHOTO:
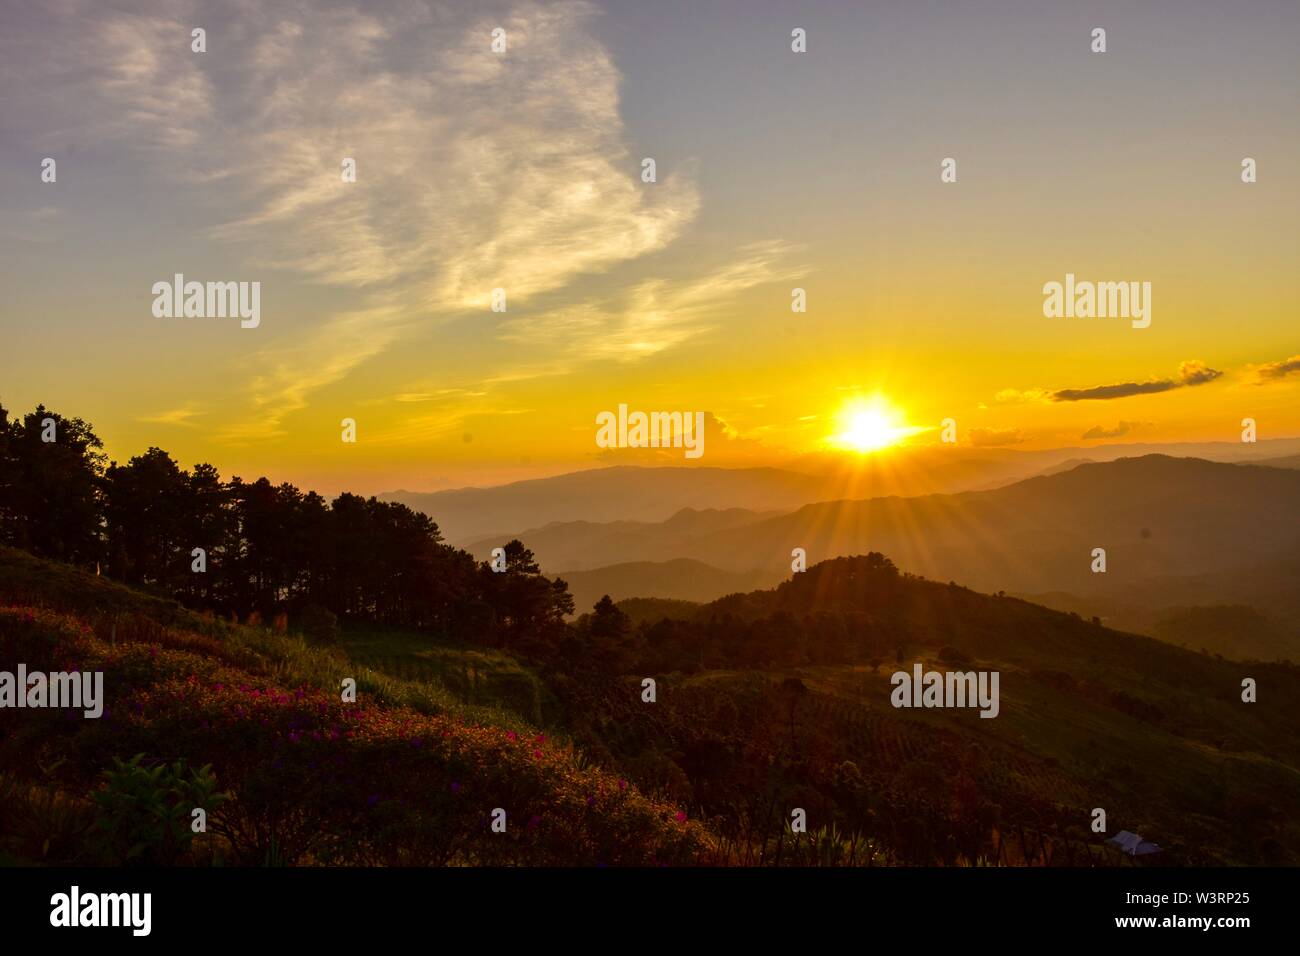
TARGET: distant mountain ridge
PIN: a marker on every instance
(1177, 532)
(681, 579)
(653, 494)
(1155, 516)
(619, 493)
(564, 546)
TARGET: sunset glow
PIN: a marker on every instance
(867, 425)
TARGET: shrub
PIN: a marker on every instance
(312, 780)
(144, 814)
(319, 624)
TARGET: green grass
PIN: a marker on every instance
(398, 667)
(486, 684)
(427, 741)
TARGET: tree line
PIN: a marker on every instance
(240, 547)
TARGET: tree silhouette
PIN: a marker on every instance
(269, 549)
(51, 488)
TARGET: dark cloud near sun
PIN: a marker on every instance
(1273, 371)
(1119, 431)
(1189, 373)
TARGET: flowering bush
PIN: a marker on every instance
(315, 780)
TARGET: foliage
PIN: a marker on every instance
(144, 813)
(312, 779)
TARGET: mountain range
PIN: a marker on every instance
(655, 494)
(1177, 533)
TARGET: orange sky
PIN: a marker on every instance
(523, 171)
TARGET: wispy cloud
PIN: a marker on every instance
(183, 416)
(1015, 396)
(654, 315)
(475, 171)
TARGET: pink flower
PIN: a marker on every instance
(681, 816)
(622, 784)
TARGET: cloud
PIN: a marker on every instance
(175, 416)
(1197, 373)
(654, 315)
(1272, 371)
(475, 170)
(1012, 396)
(1123, 428)
(993, 437)
(1189, 373)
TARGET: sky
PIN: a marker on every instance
(522, 170)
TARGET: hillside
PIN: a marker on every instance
(1090, 717)
(408, 774)
(653, 610)
(682, 579)
(1287, 461)
(766, 700)
(1263, 597)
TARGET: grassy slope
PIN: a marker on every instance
(399, 667)
(1090, 717)
(478, 711)
(1156, 734)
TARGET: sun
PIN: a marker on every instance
(866, 425)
